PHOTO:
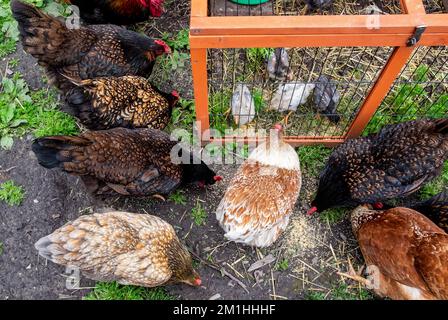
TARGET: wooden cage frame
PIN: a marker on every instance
(209, 32)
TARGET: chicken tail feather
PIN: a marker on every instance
(50, 151)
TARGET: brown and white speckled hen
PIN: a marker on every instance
(406, 253)
(257, 205)
(129, 101)
(132, 249)
(85, 52)
(396, 162)
(134, 162)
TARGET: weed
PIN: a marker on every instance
(198, 214)
(178, 197)
(334, 215)
(313, 158)
(282, 265)
(11, 193)
(314, 295)
(179, 45)
(1, 248)
(22, 111)
(184, 114)
(343, 292)
(436, 186)
(256, 58)
(115, 291)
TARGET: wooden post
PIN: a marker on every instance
(379, 91)
(200, 86)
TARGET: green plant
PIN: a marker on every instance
(282, 265)
(179, 44)
(219, 108)
(184, 114)
(314, 295)
(10, 34)
(313, 158)
(436, 186)
(115, 291)
(333, 215)
(22, 111)
(1, 248)
(198, 214)
(259, 103)
(11, 193)
(343, 292)
(256, 58)
(178, 197)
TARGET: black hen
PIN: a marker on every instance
(435, 209)
(326, 98)
(396, 162)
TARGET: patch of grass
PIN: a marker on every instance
(409, 102)
(344, 292)
(314, 295)
(333, 215)
(178, 197)
(256, 58)
(11, 193)
(115, 291)
(313, 158)
(199, 214)
(282, 265)
(22, 111)
(1, 248)
(219, 104)
(436, 186)
(184, 114)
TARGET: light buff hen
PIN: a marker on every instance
(134, 249)
(257, 205)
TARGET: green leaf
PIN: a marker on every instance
(6, 142)
(17, 122)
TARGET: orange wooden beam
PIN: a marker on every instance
(413, 6)
(292, 140)
(200, 86)
(199, 8)
(379, 91)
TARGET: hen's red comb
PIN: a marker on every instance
(217, 178)
(155, 7)
(164, 45)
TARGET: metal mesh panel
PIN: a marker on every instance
(303, 7)
(352, 71)
(436, 6)
(420, 91)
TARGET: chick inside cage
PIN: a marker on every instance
(420, 91)
(315, 92)
(303, 7)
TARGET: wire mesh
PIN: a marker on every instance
(436, 6)
(420, 91)
(303, 7)
(350, 73)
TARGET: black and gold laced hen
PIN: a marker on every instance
(129, 101)
(435, 209)
(85, 52)
(135, 162)
(396, 162)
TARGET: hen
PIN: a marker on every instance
(435, 209)
(129, 101)
(242, 105)
(122, 161)
(396, 162)
(256, 207)
(278, 65)
(132, 249)
(118, 11)
(84, 53)
(326, 98)
(406, 253)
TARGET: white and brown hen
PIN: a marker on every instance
(257, 205)
(134, 249)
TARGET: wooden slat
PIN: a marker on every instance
(200, 86)
(312, 25)
(293, 140)
(413, 6)
(379, 91)
(329, 40)
(199, 8)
